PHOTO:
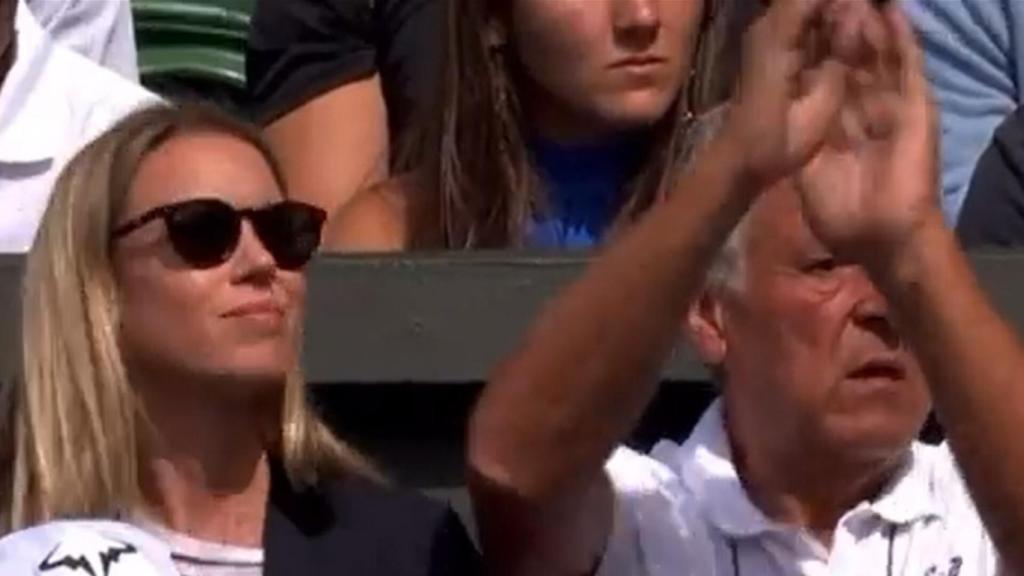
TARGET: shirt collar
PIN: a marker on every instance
(33, 112)
(912, 494)
(705, 466)
(704, 463)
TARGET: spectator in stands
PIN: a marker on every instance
(808, 464)
(337, 83)
(892, 225)
(561, 121)
(163, 307)
(102, 31)
(993, 211)
(975, 55)
(52, 101)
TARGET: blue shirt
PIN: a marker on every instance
(585, 187)
(975, 59)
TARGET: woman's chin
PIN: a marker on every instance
(636, 109)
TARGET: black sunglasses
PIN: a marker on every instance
(205, 232)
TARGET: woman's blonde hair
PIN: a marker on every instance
(69, 429)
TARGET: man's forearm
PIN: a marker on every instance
(973, 362)
(552, 414)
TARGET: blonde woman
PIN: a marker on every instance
(163, 305)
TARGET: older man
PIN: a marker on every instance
(808, 463)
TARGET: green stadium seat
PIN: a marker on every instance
(193, 48)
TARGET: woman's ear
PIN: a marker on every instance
(705, 328)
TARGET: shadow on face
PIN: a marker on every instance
(806, 345)
(601, 65)
(230, 328)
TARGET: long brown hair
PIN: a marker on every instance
(70, 427)
(474, 183)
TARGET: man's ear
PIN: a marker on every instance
(705, 328)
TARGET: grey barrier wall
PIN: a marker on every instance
(431, 319)
(397, 347)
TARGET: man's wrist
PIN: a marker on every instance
(908, 261)
(733, 157)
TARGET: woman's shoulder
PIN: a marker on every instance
(370, 528)
(376, 219)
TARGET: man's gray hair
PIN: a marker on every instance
(726, 269)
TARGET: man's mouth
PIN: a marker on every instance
(878, 368)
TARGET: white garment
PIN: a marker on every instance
(682, 510)
(194, 557)
(101, 30)
(80, 548)
(52, 102)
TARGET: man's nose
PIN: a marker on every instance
(871, 309)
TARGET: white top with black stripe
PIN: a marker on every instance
(194, 557)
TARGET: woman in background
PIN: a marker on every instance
(163, 305)
(561, 120)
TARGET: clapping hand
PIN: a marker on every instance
(873, 184)
(789, 92)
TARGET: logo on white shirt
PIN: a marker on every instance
(954, 568)
(92, 557)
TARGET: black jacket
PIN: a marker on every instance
(358, 527)
(993, 211)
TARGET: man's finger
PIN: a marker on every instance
(844, 19)
(791, 19)
(910, 54)
(878, 39)
(816, 112)
(860, 36)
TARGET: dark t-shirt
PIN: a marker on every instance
(355, 526)
(300, 49)
(993, 212)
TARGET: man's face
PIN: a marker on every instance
(808, 348)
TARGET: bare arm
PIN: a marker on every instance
(554, 411)
(552, 414)
(375, 220)
(334, 145)
(975, 367)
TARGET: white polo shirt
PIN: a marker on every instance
(52, 102)
(682, 510)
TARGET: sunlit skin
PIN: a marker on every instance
(239, 319)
